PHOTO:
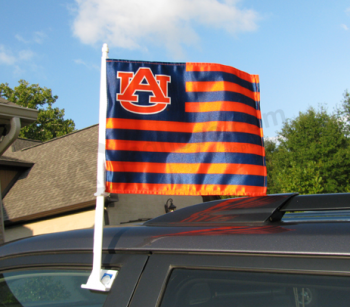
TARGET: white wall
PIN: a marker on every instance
(129, 207)
(63, 223)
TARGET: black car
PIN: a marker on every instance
(243, 252)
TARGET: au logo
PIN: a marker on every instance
(143, 81)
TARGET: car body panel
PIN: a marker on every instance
(163, 264)
(129, 268)
(274, 238)
(145, 256)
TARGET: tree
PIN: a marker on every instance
(270, 152)
(313, 155)
(303, 179)
(50, 122)
(344, 113)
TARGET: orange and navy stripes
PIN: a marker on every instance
(208, 141)
(216, 106)
(170, 147)
(182, 168)
(220, 86)
(210, 67)
(169, 126)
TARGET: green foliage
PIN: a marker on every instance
(305, 180)
(270, 149)
(50, 122)
(313, 155)
(344, 113)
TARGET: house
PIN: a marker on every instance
(12, 118)
(50, 186)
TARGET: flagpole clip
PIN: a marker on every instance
(101, 280)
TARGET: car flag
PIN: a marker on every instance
(183, 129)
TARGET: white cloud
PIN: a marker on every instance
(81, 62)
(8, 57)
(39, 37)
(347, 11)
(17, 70)
(345, 27)
(21, 39)
(25, 55)
(169, 23)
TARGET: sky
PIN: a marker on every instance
(300, 49)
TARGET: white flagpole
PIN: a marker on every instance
(95, 281)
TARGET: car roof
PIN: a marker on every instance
(241, 225)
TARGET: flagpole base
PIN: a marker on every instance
(100, 281)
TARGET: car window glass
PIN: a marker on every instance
(47, 288)
(210, 288)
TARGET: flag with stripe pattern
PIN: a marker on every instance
(183, 129)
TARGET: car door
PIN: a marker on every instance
(54, 279)
(243, 280)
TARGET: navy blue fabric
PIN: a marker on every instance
(221, 96)
(220, 76)
(183, 137)
(201, 157)
(186, 178)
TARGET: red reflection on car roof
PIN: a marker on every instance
(265, 229)
(213, 213)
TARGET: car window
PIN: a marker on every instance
(47, 288)
(210, 288)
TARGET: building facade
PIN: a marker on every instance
(49, 187)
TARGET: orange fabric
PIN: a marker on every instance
(215, 86)
(155, 125)
(183, 189)
(219, 67)
(221, 106)
(186, 168)
(184, 147)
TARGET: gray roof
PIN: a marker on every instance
(24, 143)
(62, 178)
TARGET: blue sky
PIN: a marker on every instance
(300, 49)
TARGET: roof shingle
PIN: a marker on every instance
(63, 175)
